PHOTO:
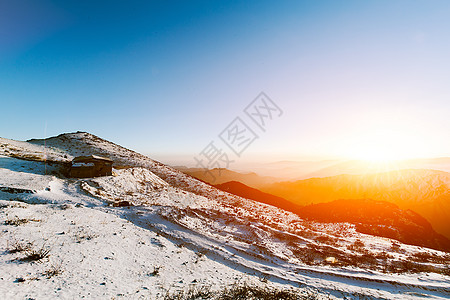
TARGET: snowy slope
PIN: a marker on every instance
(178, 232)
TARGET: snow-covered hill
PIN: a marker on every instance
(74, 238)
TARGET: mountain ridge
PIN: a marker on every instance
(242, 190)
(378, 218)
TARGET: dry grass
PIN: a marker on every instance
(54, 270)
(239, 291)
(17, 221)
(15, 246)
(35, 254)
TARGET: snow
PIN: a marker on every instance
(101, 256)
(178, 231)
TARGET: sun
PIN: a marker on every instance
(381, 146)
(382, 140)
(376, 149)
(375, 155)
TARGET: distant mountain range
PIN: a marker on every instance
(369, 216)
(299, 170)
(424, 191)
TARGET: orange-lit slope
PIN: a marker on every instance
(424, 191)
(379, 218)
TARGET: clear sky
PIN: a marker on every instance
(166, 77)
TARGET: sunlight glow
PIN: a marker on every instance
(384, 146)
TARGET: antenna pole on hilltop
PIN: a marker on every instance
(45, 148)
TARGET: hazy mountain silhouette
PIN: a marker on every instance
(219, 176)
(242, 190)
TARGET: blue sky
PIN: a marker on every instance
(166, 77)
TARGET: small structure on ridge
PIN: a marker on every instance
(91, 166)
